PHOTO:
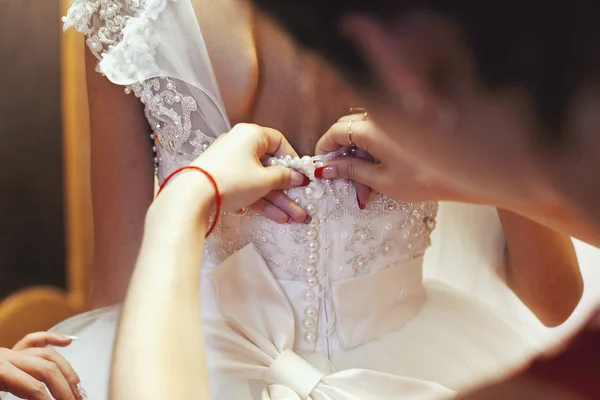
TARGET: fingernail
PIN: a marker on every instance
(290, 220)
(328, 172)
(360, 205)
(70, 337)
(299, 179)
(82, 391)
(308, 220)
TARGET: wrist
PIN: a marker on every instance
(189, 198)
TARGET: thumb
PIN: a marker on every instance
(358, 170)
(281, 178)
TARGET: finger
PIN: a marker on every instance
(43, 339)
(358, 170)
(363, 155)
(277, 144)
(266, 141)
(17, 382)
(362, 116)
(287, 205)
(67, 371)
(47, 372)
(337, 137)
(363, 195)
(281, 178)
(270, 211)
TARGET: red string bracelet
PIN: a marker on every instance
(211, 179)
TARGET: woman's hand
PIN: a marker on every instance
(29, 368)
(378, 164)
(236, 159)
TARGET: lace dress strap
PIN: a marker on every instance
(102, 22)
(137, 40)
(155, 48)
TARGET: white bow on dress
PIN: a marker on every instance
(256, 336)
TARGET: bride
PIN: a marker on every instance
(325, 283)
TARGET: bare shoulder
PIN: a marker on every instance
(227, 26)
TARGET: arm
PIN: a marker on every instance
(122, 183)
(168, 362)
(383, 176)
(161, 324)
(32, 369)
(542, 268)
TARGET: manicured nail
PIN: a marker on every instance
(290, 220)
(299, 179)
(70, 337)
(308, 220)
(360, 205)
(82, 391)
(328, 172)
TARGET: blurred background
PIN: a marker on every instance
(44, 227)
(31, 183)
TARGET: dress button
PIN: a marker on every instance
(309, 193)
(309, 323)
(312, 281)
(310, 270)
(310, 337)
(311, 312)
(309, 295)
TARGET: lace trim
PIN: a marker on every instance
(120, 34)
(169, 113)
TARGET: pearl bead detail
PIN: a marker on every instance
(309, 323)
(310, 337)
(309, 192)
(311, 312)
(310, 270)
(311, 233)
(312, 281)
(309, 295)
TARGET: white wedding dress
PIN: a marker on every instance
(334, 310)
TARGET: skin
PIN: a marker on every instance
(550, 186)
(194, 194)
(269, 70)
(30, 367)
(271, 82)
(168, 268)
(541, 264)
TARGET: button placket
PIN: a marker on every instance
(310, 295)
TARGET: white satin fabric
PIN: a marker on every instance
(381, 331)
(257, 340)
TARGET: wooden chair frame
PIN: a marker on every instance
(39, 308)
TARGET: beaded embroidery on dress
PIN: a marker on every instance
(333, 310)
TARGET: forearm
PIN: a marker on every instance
(542, 268)
(562, 219)
(160, 335)
(557, 216)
